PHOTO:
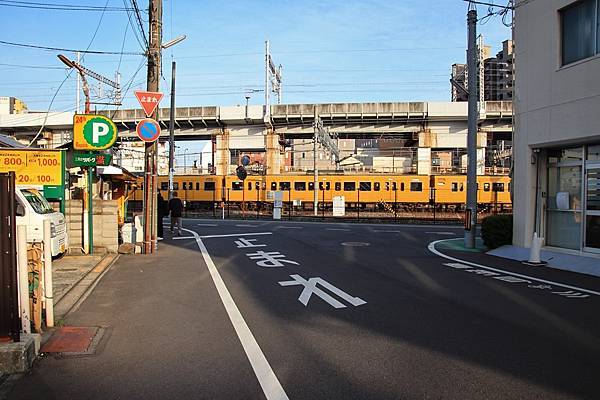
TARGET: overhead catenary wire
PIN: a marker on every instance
(50, 48)
(55, 6)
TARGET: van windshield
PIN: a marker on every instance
(37, 201)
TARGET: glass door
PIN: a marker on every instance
(592, 207)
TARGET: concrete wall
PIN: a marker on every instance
(106, 227)
(555, 105)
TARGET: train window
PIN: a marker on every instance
(164, 186)
(338, 186)
(141, 186)
(402, 186)
(197, 185)
(327, 185)
(462, 187)
(486, 187)
(284, 186)
(299, 185)
(509, 186)
(237, 185)
(395, 186)
(454, 186)
(190, 186)
(257, 185)
(498, 187)
(416, 186)
(311, 186)
(249, 185)
(376, 186)
(273, 185)
(175, 185)
(387, 186)
(321, 186)
(364, 186)
(184, 185)
(349, 186)
(209, 186)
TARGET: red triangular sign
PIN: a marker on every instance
(148, 100)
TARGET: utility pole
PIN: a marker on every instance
(315, 172)
(472, 56)
(153, 79)
(172, 132)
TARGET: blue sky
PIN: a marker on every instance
(331, 51)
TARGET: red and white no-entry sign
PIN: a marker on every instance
(148, 100)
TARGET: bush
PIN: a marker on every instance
(496, 230)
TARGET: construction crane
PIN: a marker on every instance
(83, 72)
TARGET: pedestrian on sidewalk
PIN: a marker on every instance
(161, 208)
(176, 210)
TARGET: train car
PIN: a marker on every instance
(452, 189)
(204, 191)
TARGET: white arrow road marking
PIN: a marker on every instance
(262, 369)
(310, 287)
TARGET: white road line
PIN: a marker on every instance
(336, 229)
(432, 248)
(207, 225)
(443, 233)
(262, 369)
(376, 231)
(290, 227)
(235, 234)
(246, 226)
(183, 237)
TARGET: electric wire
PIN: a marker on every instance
(55, 6)
(50, 48)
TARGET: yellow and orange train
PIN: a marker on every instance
(199, 190)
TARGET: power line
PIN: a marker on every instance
(32, 66)
(53, 6)
(32, 46)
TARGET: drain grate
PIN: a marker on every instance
(74, 341)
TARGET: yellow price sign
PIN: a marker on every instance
(33, 167)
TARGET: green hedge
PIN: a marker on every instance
(496, 230)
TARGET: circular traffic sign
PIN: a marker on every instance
(148, 130)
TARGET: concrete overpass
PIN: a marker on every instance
(432, 125)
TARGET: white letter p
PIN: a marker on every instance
(98, 129)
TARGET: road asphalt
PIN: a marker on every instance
(275, 310)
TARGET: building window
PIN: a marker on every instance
(580, 35)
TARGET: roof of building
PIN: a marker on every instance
(7, 141)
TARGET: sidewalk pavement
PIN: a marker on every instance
(73, 277)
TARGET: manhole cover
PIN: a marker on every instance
(74, 340)
(356, 244)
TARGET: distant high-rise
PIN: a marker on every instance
(497, 75)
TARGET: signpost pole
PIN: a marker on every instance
(90, 213)
(153, 77)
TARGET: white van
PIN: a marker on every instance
(32, 210)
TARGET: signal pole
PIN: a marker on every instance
(472, 56)
(150, 167)
(172, 131)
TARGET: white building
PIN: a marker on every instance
(557, 126)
